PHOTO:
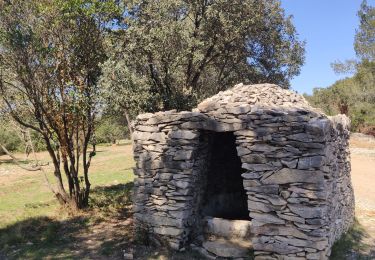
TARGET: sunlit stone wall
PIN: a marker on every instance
(296, 165)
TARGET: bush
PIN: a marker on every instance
(10, 139)
(13, 143)
(109, 131)
(38, 141)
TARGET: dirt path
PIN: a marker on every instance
(363, 180)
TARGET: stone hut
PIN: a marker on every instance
(251, 169)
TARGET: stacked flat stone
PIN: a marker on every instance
(297, 178)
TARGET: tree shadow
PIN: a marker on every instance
(102, 231)
(39, 237)
(352, 245)
(11, 161)
(114, 199)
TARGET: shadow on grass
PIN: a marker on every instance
(110, 200)
(39, 237)
(11, 161)
(101, 230)
(352, 246)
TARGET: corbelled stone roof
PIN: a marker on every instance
(268, 95)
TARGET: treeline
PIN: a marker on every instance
(355, 95)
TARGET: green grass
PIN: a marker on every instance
(43, 237)
(32, 225)
(39, 237)
(351, 245)
(28, 196)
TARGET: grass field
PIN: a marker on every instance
(32, 226)
(25, 194)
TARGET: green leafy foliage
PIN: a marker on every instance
(109, 130)
(11, 141)
(49, 58)
(365, 35)
(122, 89)
(170, 54)
(350, 97)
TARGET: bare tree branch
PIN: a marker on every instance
(16, 161)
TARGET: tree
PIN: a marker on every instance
(124, 92)
(50, 52)
(183, 51)
(322, 98)
(364, 44)
(355, 95)
(338, 98)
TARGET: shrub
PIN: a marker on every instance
(109, 131)
(10, 139)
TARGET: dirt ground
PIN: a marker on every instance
(363, 180)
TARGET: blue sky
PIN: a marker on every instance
(328, 27)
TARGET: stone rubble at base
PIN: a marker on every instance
(297, 178)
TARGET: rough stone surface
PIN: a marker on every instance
(296, 173)
(228, 228)
(227, 248)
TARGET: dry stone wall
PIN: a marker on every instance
(296, 171)
(340, 198)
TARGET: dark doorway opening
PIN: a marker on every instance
(225, 196)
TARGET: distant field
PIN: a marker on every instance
(33, 226)
(24, 194)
